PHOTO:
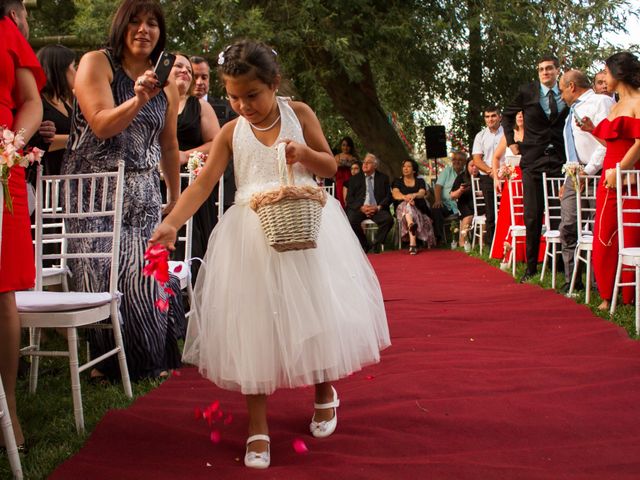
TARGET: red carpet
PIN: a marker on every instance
(486, 379)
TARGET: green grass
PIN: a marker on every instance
(47, 417)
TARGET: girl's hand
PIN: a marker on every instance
(146, 86)
(164, 235)
(295, 152)
(497, 185)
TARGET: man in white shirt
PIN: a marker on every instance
(484, 146)
(581, 147)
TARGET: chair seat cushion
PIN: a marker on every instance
(552, 234)
(31, 301)
(630, 256)
(53, 271)
(585, 239)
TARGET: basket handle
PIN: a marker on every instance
(285, 171)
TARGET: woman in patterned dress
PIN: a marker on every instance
(123, 113)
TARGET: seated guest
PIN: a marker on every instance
(356, 168)
(369, 197)
(412, 210)
(443, 205)
(462, 193)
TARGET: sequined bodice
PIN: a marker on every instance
(255, 164)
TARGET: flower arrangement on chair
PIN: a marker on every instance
(507, 172)
(573, 170)
(196, 162)
(455, 229)
(12, 154)
(504, 263)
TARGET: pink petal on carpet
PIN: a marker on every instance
(369, 377)
(299, 446)
(215, 436)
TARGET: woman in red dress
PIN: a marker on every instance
(620, 132)
(345, 159)
(20, 83)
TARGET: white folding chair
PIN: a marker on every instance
(182, 268)
(9, 437)
(99, 196)
(585, 219)
(628, 213)
(330, 189)
(517, 229)
(553, 245)
(479, 222)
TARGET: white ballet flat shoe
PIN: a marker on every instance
(255, 459)
(326, 427)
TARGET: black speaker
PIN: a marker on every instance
(435, 139)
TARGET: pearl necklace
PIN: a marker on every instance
(265, 129)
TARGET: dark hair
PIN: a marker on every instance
(55, 60)
(197, 60)
(352, 147)
(491, 108)
(414, 165)
(249, 57)
(549, 58)
(126, 11)
(5, 6)
(624, 67)
(465, 173)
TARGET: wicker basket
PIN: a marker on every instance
(290, 216)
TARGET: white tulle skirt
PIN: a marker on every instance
(265, 320)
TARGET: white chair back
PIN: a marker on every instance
(551, 189)
(586, 204)
(628, 205)
(188, 230)
(220, 201)
(517, 204)
(104, 192)
(479, 201)
(330, 189)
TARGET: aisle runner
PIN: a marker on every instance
(485, 379)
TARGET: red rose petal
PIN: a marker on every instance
(215, 436)
(228, 419)
(178, 268)
(197, 413)
(369, 377)
(176, 373)
(219, 414)
(299, 446)
(162, 305)
(214, 406)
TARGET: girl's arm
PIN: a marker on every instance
(499, 152)
(316, 155)
(199, 190)
(170, 159)
(209, 126)
(28, 116)
(93, 92)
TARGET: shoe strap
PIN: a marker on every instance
(334, 404)
(260, 436)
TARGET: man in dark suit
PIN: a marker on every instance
(542, 149)
(369, 197)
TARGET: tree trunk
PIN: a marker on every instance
(475, 93)
(359, 105)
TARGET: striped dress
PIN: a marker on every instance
(150, 336)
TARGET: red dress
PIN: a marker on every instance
(17, 271)
(342, 175)
(620, 134)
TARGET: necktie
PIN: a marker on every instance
(371, 199)
(553, 106)
(570, 144)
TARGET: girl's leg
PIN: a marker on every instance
(324, 394)
(9, 355)
(257, 407)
